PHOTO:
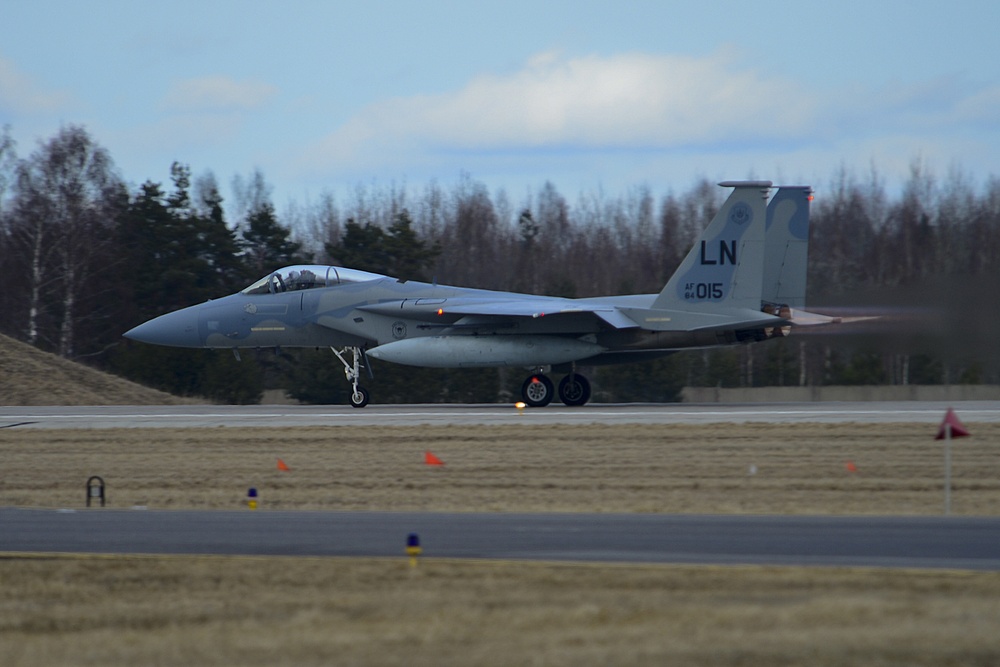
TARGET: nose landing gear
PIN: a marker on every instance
(352, 369)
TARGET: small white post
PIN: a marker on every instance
(947, 469)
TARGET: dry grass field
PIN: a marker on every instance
(749, 468)
(303, 611)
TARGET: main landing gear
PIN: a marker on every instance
(352, 369)
(538, 391)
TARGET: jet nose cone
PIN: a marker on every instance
(177, 329)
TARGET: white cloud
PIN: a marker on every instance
(590, 117)
(981, 107)
(19, 95)
(623, 101)
(217, 93)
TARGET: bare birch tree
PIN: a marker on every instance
(65, 207)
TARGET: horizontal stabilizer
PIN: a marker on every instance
(686, 320)
(803, 318)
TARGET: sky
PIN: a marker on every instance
(325, 96)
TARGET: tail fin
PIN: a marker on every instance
(725, 268)
(786, 246)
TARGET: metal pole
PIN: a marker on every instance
(947, 469)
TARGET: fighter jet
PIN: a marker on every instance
(744, 281)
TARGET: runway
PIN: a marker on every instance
(892, 542)
(246, 416)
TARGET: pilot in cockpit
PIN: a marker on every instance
(306, 280)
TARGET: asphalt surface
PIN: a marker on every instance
(245, 416)
(893, 542)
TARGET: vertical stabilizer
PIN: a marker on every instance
(786, 246)
(725, 268)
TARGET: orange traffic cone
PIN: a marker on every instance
(283, 466)
(851, 467)
(432, 460)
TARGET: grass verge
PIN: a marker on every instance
(306, 611)
(745, 468)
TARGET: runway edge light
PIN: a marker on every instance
(252, 498)
(413, 548)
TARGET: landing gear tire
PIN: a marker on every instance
(537, 391)
(352, 370)
(574, 389)
(360, 397)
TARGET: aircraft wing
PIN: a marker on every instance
(454, 309)
(474, 312)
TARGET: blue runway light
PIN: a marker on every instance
(413, 548)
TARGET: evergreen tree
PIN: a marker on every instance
(398, 252)
(657, 380)
(267, 244)
(407, 257)
(176, 257)
(360, 247)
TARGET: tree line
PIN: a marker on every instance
(86, 256)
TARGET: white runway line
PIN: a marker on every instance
(407, 415)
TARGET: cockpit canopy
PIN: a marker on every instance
(308, 276)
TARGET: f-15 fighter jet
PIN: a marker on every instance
(744, 281)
